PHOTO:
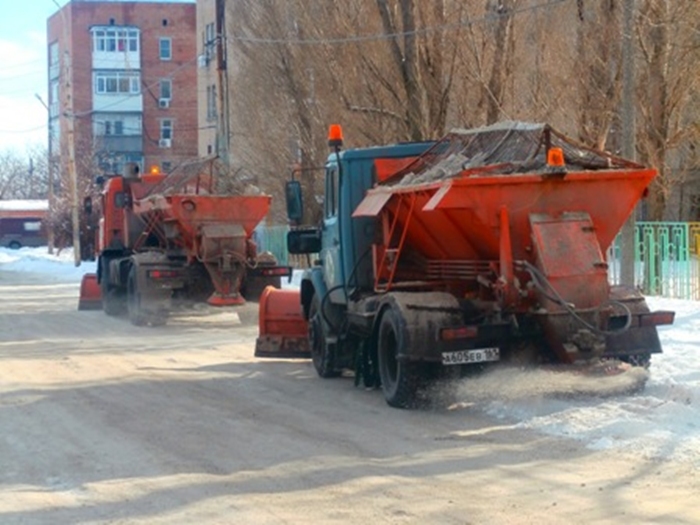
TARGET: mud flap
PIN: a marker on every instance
(90, 294)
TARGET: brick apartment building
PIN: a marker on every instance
(122, 84)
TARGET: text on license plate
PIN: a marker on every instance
(478, 355)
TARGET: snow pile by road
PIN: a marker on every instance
(60, 267)
(662, 421)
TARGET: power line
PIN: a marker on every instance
(6, 131)
(386, 36)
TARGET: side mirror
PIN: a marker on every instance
(87, 205)
(295, 206)
(99, 181)
(131, 170)
(304, 241)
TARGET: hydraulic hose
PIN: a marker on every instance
(545, 287)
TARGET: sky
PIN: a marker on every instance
(23, 74)
(660, 422)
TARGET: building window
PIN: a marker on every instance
(117, 125)
(54, 93)
(165, 48)
(53, 54)
(54, 66)
(209, 34)
(117, 83)
(211, 102)
(115, 40)
(166, 129)
(166, 88)
(166, 166)
(33, 226)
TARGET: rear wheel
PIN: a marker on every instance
(14, 245)
(321, 354)
(400, 379)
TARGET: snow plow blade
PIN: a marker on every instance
(283, 331)
(90, 295)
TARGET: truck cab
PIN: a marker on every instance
(344, 242)
(342, 245)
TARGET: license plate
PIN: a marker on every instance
(478, 355)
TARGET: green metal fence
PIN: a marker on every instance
(667, 256)
(273, 239)
(667, 259)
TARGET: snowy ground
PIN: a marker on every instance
(663, 421)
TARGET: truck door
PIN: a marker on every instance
(330, 250)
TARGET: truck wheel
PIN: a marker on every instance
(320, 353)
(112, 299)
(252, 287)
(14, 245)
(133, 300)
(400, 379)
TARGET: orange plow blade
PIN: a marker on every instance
(282, 331)
(90, 295)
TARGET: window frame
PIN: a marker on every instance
(161, 41)
(114, 83)
(166, 128)
(166, 82)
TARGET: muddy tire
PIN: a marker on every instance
(400, 379)
(321, 355)
(113, 302)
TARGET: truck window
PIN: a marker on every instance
(119, 199)
(331, 200)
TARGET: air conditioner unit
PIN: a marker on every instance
(164, 103)
(165, 143)
(203, 60)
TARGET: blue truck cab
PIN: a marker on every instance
(343, 270)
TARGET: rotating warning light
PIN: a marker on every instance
(335, 136)
(555, 158)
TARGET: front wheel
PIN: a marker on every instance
(400, 379)
(321, 354)
(133, 300)
(112, 299)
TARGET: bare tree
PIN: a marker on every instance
(394, 70)
(24, 176)
(599, 66)
(669, 85)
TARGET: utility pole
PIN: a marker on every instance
(223, 135)
(72, 174)
(627, 234)
(69, 114)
